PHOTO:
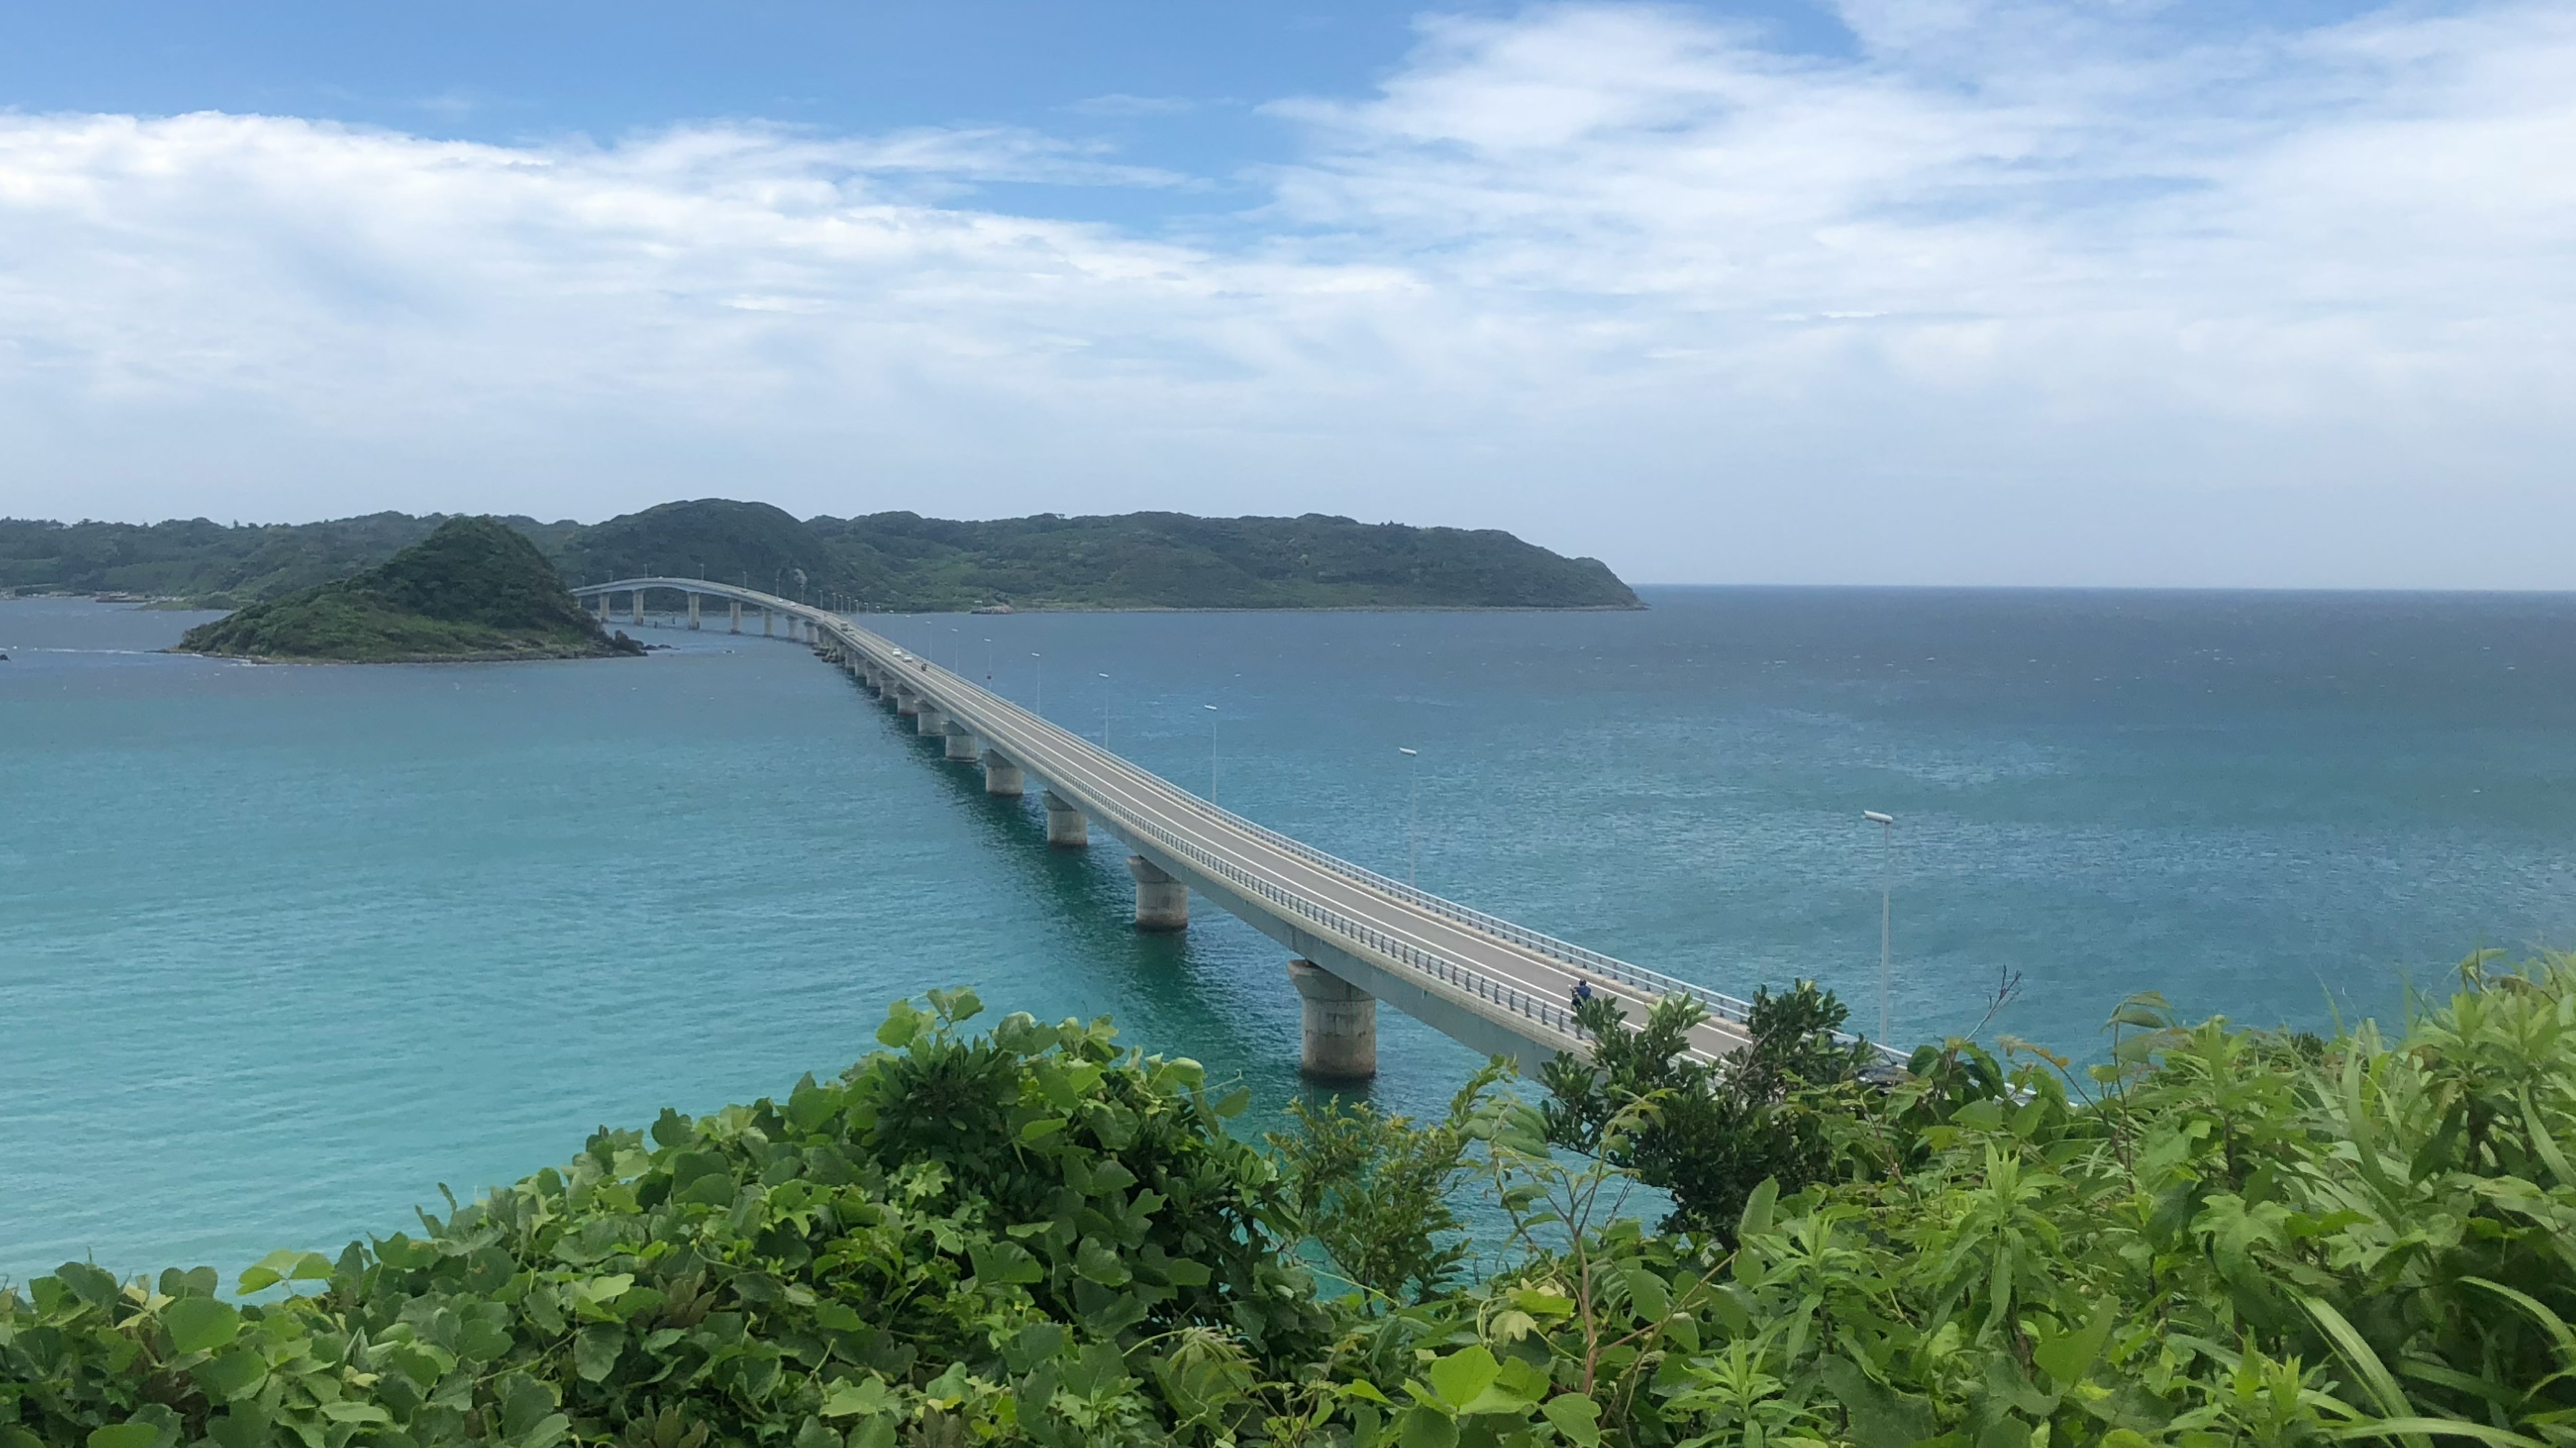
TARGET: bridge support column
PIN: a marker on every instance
(737, 615)
(1001, 776)
(768, 624)
(906, 703)
(1162, 903)
(639, 607)
(929, 720)
(963, 744)
(693, 610)
(1340, 1036)
(1065, 824)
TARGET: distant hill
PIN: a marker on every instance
(884, 561)
(475, 588)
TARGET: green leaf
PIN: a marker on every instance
(2538, 1312)
(1649, 1294)
(1462, 1376)
(2356, 1351)
(902, 1023)
(851, 1399)
(1093, 1259)
(267, 1272)
(1757, 1208)
(595, 1351)
(126, 1435)
(874, 1433)
(1426, 1428)
(999, 1262)
(2417, 1428)
(200, 1324)
(1576, 1416)
(232, 1376)
(1880, 1418)
(2067, 1357)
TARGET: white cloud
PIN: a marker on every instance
(2013, 293)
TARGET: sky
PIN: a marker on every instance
(2105, 292)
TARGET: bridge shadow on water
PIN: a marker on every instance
(1191, 992)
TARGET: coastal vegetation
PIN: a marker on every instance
(883, 561)
(2214, 1235)
(473, 589)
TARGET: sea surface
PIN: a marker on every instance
(285, 949)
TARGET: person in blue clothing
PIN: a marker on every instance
(1582, 990)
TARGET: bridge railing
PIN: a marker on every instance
(1725, 1008)
(1539, 1010)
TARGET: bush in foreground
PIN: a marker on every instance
(2219, 1236)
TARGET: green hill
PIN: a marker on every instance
(474, 589)
(899, 561)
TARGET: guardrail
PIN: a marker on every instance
(1728, 1009)
(1721, 1007)
(1467, 978)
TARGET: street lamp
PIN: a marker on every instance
(1212, 718)
(988, 661)
(1412, 818)
(1041, 667)
(1886, 891)
(1104, 713)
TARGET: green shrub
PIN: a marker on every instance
(2217, 1236)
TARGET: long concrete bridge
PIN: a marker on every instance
(1355, 937)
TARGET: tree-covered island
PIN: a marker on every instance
(1030, 1235)
(885, 562)
(474, 589)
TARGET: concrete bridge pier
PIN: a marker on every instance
(1001, 776)
(1340, 1036)
(737, 615)
(693, 610)
(930, 720)
(1162, 903)
(1065, 824)
(962, 744)
(638, 599)
(907, 704)
(768, 623)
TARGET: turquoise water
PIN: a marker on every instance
(286, 948)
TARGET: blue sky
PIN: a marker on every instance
(1878, 291)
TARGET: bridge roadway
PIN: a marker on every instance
(1357, 936)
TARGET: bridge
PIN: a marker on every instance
(1354, 937)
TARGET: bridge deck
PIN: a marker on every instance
(1495, 985)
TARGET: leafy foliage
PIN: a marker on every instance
(1376, 1193)
(884, 561)
(475, 588)
(1716, 1130)
(2217, 1236)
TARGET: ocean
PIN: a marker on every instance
(286, 949)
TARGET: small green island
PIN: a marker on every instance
(475, 589)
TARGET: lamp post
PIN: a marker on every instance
(1412, 817)
(1212, 718)
(1041, 667)
(1886, 892)
(988, 661)
(1104, 711)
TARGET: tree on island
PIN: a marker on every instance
(474, 589)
